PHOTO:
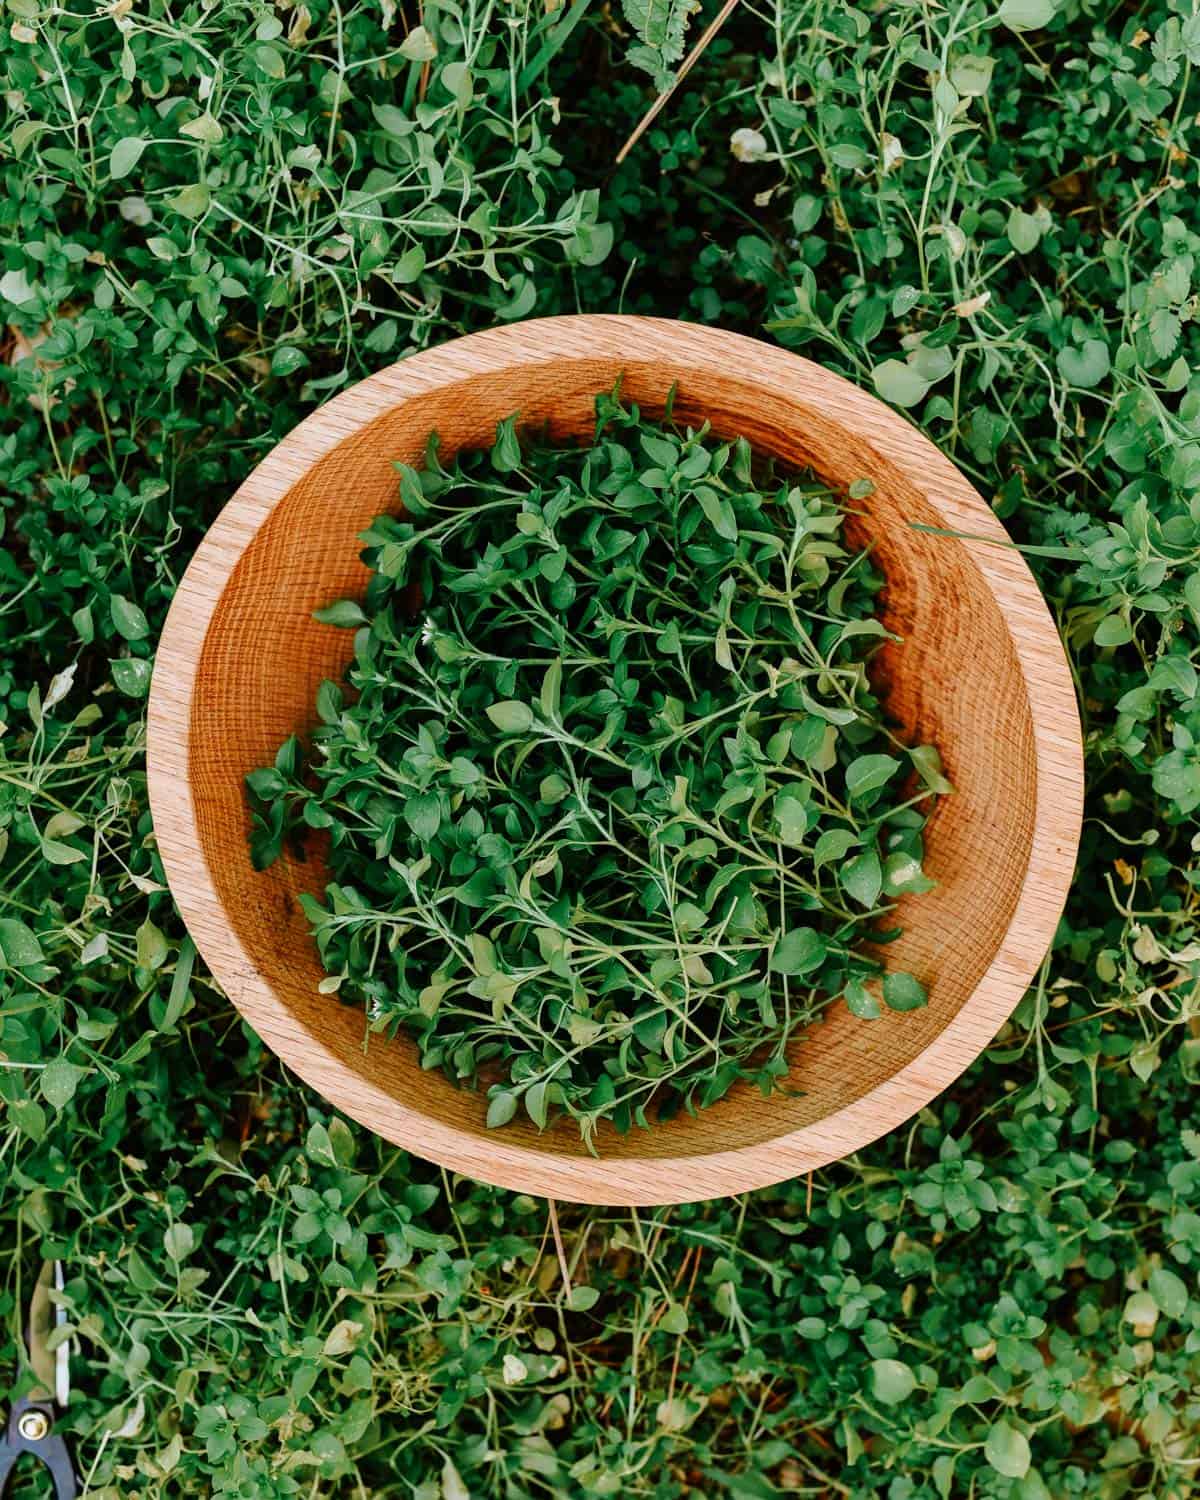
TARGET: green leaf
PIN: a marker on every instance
(1084, 367)
(506, 451)
(510, 716)
(1113, 630)
(1165, 329)
(929, 766)
(553, 788)
(669, 642)
(1169, 1292)
(58, 853)
(16, 287)
(407, 268)
(191, 201)
(125, 155)
(868, 773)
(483, 954)
(1007, 1450)
(689, 917)
(904, 299)
(892, 1381)
(419, 45)
(131, 675)
(346, 614)
(204, 128)
(718, 512)
(1026, 15)
(584, 1298)
(343, 1142)
(128, 619)
(287, 359)
(791, 815)
(862, 878)
(453, 1486)
(675, 1319)
(902, 992)
(899, 383)
(521, 301)
(59, 1080)
(423, 814)
(152, 947)
(395, 122)
(971, 74)
(29, 1117)
(860, 1001)
(317, 1145)
(1024, 231)
(799, 951)
(19, 947)
(809, 739)
(903, 875)
(179, 1000)
(535, 1102)
(63, 824)
(591, 244)
(849, 156)
(660, 26)
(270, 60)
(834, 844)
(551, 691)
(330, 701)
(179, 1240)
(502, 1106)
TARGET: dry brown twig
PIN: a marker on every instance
(558, 1245)
(679, 1339)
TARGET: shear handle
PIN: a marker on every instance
(48, 1447)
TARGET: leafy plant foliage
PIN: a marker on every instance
(612, 803)
(660, 27)
(267, 1302)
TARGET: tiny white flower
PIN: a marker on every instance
(428, 631)
(748, 144)
(374, 1009)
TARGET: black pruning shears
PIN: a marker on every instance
(30, 1426)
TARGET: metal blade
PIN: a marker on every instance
(41, 1321)
(62, 1354)
(52, 1367)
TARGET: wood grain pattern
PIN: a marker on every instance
(981, 674)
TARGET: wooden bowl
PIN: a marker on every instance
(981, 674)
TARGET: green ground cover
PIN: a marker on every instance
(214, 216)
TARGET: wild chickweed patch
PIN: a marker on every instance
(214, 216)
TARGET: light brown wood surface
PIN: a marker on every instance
(981, 674)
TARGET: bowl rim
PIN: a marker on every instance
(628, 1180)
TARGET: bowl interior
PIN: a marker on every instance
(955, 681)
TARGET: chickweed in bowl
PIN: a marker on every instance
(611, 807)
